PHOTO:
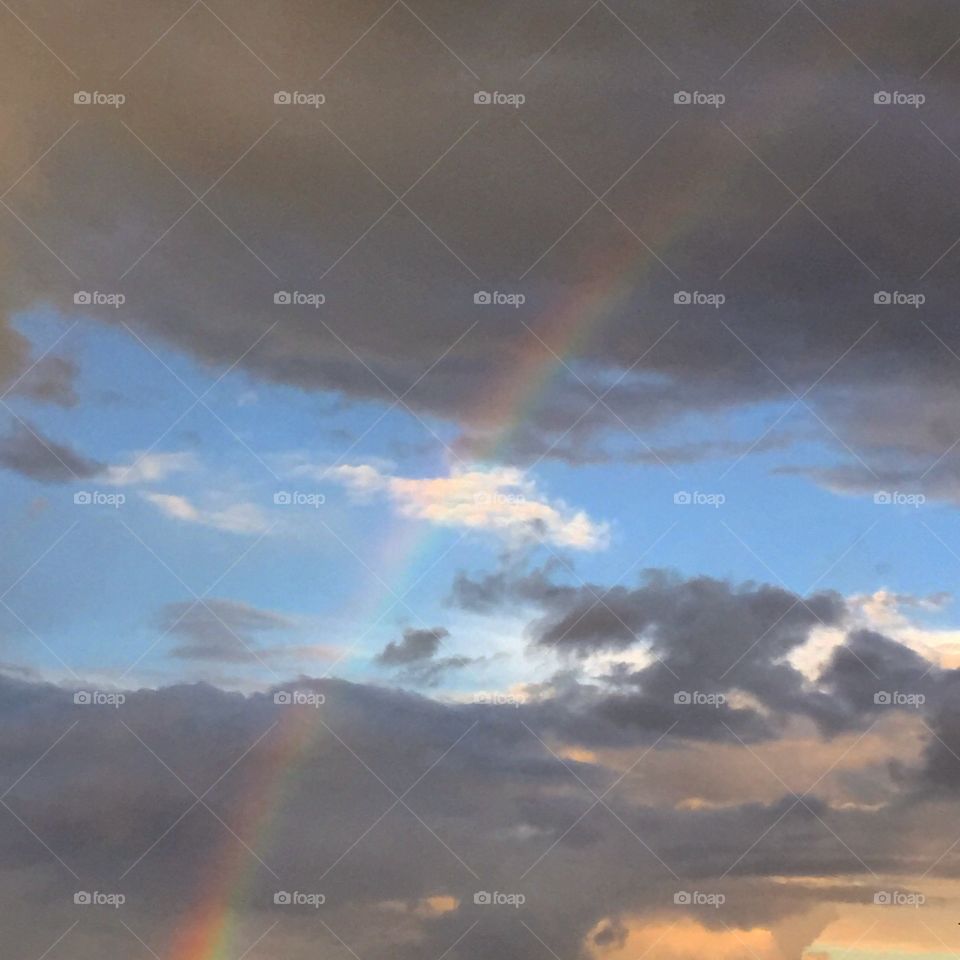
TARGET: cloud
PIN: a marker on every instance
(109, 796)
(51, 379)
(223, 630)
(641, 655)
(417, 660)
(242, 518)
(26, 450)
(500, 199)
(416, 645)
(149, 468)
(504, 501)
(114, 796)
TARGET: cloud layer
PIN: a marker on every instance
(591, 797)
(200, 198)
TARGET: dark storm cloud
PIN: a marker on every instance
(582, 446)
(115, 797)
(712, 207)
(26, 450)
(940, 772)
(706, 637)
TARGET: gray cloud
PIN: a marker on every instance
(416, 645)
(115, 799)
(417, 660)
(219, 629)
(303, 201)
(51, 379)
(708, 638)
(26, 450)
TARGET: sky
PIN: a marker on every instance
(479, 479)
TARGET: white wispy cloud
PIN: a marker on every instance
(148, 468)
(236, 518)
(504, 501)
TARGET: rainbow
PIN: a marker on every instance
(210, 929)
(555, 337)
